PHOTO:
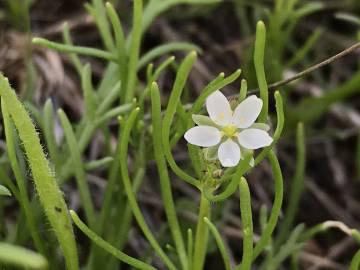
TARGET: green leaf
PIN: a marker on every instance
(164, 178)
(164, 49)
(135, 208)
(259, 52)
(80, 176)
(261, 126)
(348, 17)
(219, 242)
(46, 185)
(155, 7)
(4, 191)
(75, 49)
(174, 99)
(203, 120)
(108, 247)
(135, 42)
(19, 256)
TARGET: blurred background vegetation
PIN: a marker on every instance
(300, 33)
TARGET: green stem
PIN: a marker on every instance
(355, 262)
(124, 144)
(106, 246)
(202, 234)
(246, 219)
(166, 193)
(190, 247)
(182, 74)
(231, 187)
(296, 188)
(219, 243)
(276, 209)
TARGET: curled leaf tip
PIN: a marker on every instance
(260, 24)
(193, 54)
(36, 40)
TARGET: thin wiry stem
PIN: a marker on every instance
(307, 71)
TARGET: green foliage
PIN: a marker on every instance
(4, 191)
(148, 132)
(10, 254)
(45, 183)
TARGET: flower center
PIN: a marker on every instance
(230, 131)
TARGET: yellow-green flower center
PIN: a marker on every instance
(229, 130)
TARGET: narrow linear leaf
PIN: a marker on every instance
(124, 144)
(260, 70)
(75, 49)
(247, 223)
(79, 169)
(166, 192)
(176, 92)
(219, 243)
(135, 41)
(4, 191)
(108, 247)
(20, 180)
(276, 209)
(49, 193)
(19, 256)
(164, 49)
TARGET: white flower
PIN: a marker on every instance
(230, 132)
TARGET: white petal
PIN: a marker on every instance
(219, 108)
(229, 153)
(247, 111)
(253, 138)
(204, 136)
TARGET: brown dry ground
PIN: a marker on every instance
(332, 186)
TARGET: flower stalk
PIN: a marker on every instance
(202, 234)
